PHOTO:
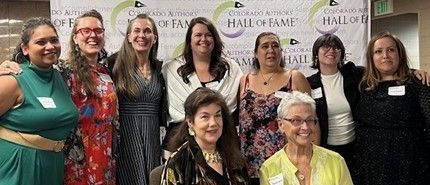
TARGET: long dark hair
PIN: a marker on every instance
(255, 62)
(218, 65)
(228, 144)
(27, 31)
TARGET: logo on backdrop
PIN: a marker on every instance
(314, 9)
(221, 8)
(119, 8)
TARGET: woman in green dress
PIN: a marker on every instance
(36, 111)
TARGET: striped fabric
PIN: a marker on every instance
(140, 149)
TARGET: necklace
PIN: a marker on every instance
(212, 157)
(301, 176)
(266, 82)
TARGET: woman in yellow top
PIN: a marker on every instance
(300, 162)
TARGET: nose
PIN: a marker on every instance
(385, 54)
(92, 34)
(50, 45)
(213, 121)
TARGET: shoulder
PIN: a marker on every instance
(273, 161)
(173, 64)
(326, 153)
(350, 68)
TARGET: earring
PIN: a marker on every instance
(76, 48)
(191, 131)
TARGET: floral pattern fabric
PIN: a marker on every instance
(91, 159)
(258, 129)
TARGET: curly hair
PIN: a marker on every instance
(78, 62)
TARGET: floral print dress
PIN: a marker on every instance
(258, 129)
(91, 159)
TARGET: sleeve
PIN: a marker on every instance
(424, 99)
(344, 176)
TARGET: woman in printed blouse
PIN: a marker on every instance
(259, 133)
(207, 140)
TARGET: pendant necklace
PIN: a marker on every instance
(266, 82)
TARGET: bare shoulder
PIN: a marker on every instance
(10, 92)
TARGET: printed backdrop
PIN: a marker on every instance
(297, 22)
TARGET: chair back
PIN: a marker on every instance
(155, 175)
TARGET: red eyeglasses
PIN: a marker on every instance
(86, 32)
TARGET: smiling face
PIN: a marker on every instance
(329, 56)
(269, 51)
(90, 43)
(207, 125)
(300, 134)
(43, 47)
(202, 41)
(385, 56)
(142, 36)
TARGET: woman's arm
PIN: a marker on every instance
(10, 93)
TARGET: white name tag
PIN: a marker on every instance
(47, 102)
(397, 90)
(105, 78)
(316, 93)
(276, 180)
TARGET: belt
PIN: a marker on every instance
(31, 140)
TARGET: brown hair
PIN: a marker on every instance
(125, 64)
(78, 62)
(218, 65)
(372, 77)
(255, 62)
(228, 144)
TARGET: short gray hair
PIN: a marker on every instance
(291, 99)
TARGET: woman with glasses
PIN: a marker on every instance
(334, 88)
(140, 88)
(91, 157)
(90, 147)
(300, 162)
(259, 134)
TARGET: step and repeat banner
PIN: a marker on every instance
(297, 22)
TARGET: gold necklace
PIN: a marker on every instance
(212, 157)
(266, 82)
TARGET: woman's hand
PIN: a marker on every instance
(9, 67)
(423, 76)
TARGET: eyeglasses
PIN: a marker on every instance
(326, 48)
(297, 121)
(86, 32)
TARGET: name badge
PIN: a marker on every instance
(397, 90)
(105, 78)
(47, 102)
(276, 180)
(317, 93)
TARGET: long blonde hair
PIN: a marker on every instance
(125, 64)
(372, 77)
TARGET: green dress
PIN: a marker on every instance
(21, 165)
